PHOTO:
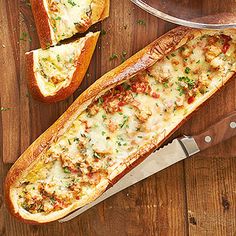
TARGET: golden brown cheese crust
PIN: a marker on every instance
(81, 68)
(101, 11)
(140, 61)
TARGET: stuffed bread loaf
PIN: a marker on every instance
(118, 121)
(58, 20)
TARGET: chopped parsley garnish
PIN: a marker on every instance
(165, 84)
(58, 18)
(124, 121)
(103, 133)
(24, 37)
(113, 56)
(69, 141)
(181, 90)
(72, 3)
(95, 155)
(103, 32)
(119, 144)
(198, 62)
(52, 200)
(58, 58)
(104, 116)
(188, 81)
(76, 140)
(100, 101)
(140, 136)
(141, 22)
(126, 86)
(123, 56)
(5, 108)
(173, 54)
(66, 170)
(187, 70)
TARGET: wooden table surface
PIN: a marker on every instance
(193, 197)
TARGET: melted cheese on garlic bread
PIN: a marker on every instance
(54, 67)
(108, 134)
(68, 17)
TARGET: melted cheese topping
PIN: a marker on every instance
(54, 68)
(68, 17)
(126, 118)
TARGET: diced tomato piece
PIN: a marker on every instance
(155, 95)
(121, 103)
(90, 175)
(226, 37)
(191, 100)
(77, 197)
(120, 88)
(226, 44)
(225, 47)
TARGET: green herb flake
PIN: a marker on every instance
(124, 121)
(187, 70)
(141, 22)
(123, 56)
(103, 32)
(119, 144)
(76, 140)
(113, 56)
(72, 3)
(24, 36)
(126, 86)
(66, 170)
(5, 108)
(58, 58)
(188, 81)
(58, 18)
(95, 155)
(100, 101)
(165, 84)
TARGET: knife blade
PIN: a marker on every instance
(179, 149)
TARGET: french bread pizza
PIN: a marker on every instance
(118, 121)
(55, 73)
(57, 20)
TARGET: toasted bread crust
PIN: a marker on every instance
(82, 66)
(42, 23)
(100, 12)
(140, 61)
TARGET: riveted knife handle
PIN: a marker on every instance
(217, 133)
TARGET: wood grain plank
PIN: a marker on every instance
(9, 84)
(192, 198)
(211, 195)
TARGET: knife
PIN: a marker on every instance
(179, 149)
